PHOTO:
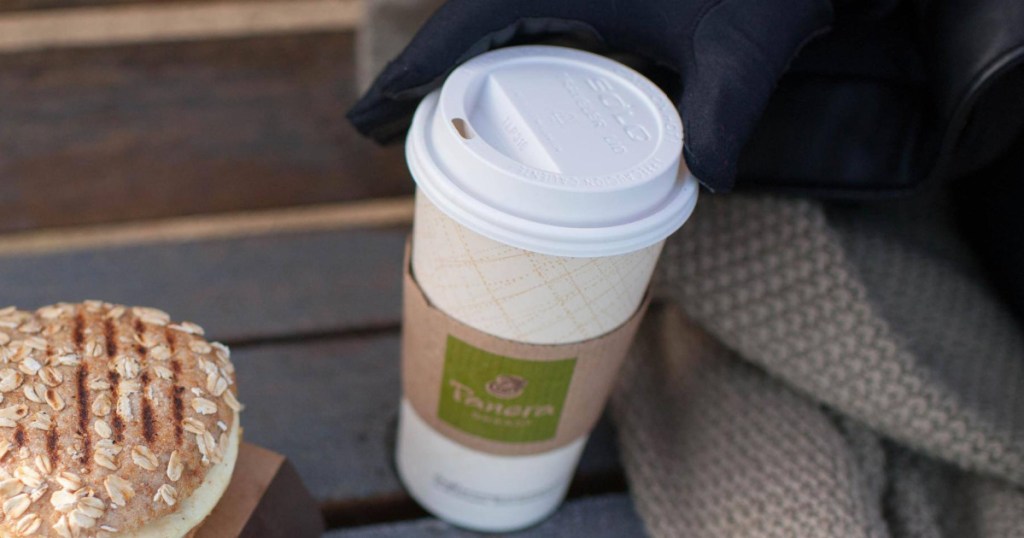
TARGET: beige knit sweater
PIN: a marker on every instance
(824, 371)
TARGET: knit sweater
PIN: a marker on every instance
(824, 371)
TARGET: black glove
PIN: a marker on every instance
(898, 92)
(886, 94)
(725, 55)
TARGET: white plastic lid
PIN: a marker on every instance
(553, 150)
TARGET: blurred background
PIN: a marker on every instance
(121, 110)
(194, 155)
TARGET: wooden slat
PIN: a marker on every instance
(314, 320)
(122, 133)
(248, 288)
(375, 213)
(331, 406)
(172, 21)
(28, 5)
(606, 516)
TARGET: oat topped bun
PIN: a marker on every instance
(114, 421)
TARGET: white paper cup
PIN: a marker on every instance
(521, 295)
(548, 180)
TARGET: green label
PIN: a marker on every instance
(502, 398)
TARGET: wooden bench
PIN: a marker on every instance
(214, 175)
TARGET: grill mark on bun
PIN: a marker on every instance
(117, 422)
(77, 336)
(90, 349)
(171, 343)
(179, 403)
(51, 445)
(110, 334)
(83, 413)
(140, 329)
(148, 425)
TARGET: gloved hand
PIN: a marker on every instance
(719, 60)
(886, 93)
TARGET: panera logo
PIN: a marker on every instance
(502, 398)
(465, 395)
(506, 387)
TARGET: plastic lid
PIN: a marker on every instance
(553, 150)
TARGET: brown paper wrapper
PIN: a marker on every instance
(500, 396)
(266, 497)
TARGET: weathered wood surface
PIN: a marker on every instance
(91, 135)
(244, 289)
(314, 319)
(330, 406)
(597, 517)
(133, 132)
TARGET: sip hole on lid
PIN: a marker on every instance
(462, 128)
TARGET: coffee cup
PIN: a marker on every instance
(547, 181)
